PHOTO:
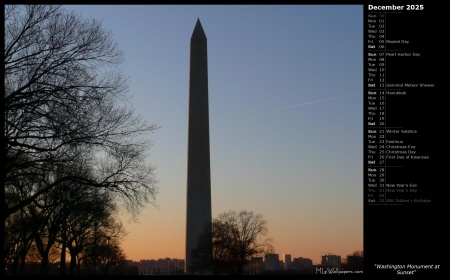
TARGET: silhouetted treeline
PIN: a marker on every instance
(121, 268)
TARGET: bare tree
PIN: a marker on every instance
(354, 261)
(21, 231)
(66, 101)
(42, 221)
(92, 223)
(238, 237)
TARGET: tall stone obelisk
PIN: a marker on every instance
(199, 216)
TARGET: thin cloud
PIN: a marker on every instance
(315, 101)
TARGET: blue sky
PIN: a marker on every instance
(286, 118)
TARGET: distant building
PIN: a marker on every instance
(330, 260)
(254, 267)
(355, 263)
(301, 263)
(165, 266)
(272, 262)
(287, 261)
(130, 267)
(272, 265)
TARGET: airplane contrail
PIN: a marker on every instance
(312, 102)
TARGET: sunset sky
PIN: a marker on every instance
(286, 119)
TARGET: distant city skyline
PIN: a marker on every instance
(286, 119)
(261, 265)
(274, 253)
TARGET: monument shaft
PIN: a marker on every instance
(199, 217)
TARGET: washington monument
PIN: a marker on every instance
(199, 217)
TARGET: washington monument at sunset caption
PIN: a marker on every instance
(199, 214)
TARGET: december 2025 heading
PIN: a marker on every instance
(407, 7)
